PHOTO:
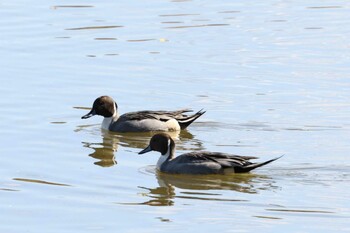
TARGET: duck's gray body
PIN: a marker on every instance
(205, 162)
(141, 121)
(144, 121)
(198, 163)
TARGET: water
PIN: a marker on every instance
(273, 77)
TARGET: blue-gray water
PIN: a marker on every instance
(272, 75)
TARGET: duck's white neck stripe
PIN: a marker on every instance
(108, 120)
(164, 157)
(115, 110)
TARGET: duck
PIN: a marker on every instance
(199, 162)
(141, 121)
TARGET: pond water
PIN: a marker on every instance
(273, 77)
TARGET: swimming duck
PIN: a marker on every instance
(201, 162)
(141, 121)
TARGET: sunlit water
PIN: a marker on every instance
(272, 75)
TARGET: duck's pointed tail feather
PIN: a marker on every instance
(185, 122)
(254, 165)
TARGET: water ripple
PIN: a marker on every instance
(39, 181)
(302, 211)
(94, 27)
(71, 6)
(198, 26)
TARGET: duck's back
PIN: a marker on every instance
(144, 121)
(205, 163)
(211, 163)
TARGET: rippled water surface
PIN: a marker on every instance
(272, 75)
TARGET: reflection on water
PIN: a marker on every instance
(94, 27)
(177, 15)
(141, 40)
(199, 26)
(105, 38)
(159, 196)
(302, 211)
(192, 187)
(105, 151)
(9, 190)
(324, 7)
(71, 6)
(39, 181)
(246, 183)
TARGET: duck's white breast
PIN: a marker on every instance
(173, 125)
(106, 123)
(161, 160)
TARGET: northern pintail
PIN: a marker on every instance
(141, 121)
(202, 162)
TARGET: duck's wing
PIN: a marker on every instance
(179, 115)
(238, 163)
(224, 159)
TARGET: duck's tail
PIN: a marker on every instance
(254, 165)
(186, 121)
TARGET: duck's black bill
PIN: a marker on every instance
(147, 149)
(90, 114)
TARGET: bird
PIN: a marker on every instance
(141, 121)
(199, 162)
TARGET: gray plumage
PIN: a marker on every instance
(141, 121)
(202, 162)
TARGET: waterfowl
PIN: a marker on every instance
(142, 121)
(201, 162)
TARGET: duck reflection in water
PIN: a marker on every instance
(105, 151)
(174, 186)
